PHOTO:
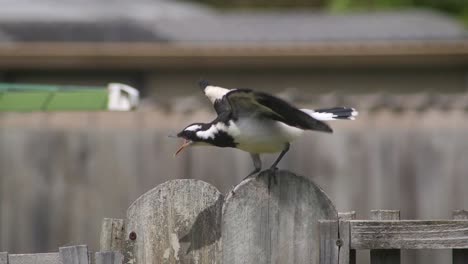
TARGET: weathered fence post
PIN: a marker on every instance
(273, 218)
(385, 256)
(3, 258)
(460, 256)
(179, 221)
(346, 254)
(39, 258)
(74, 254)
(109, 257)
(330, 242)
(112, 235)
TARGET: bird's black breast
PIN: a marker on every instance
(222, 139)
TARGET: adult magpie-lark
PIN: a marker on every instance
(256, 122)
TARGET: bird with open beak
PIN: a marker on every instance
(257, 123)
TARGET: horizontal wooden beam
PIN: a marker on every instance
(38, 258)
(156, 55)
(409, 234)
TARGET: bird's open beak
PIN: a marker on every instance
(184, 145)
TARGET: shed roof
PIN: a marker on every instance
(183, 22)
(312, 27)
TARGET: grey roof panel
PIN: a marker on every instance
(107, 31)
(96, 10)
(304, 27)
(177, 21)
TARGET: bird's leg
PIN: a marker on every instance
(286, 148)
(273, 166)
(257, 162)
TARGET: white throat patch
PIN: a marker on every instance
(214, 129)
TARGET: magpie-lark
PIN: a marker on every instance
(256, 122)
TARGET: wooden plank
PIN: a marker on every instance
(112, 235)
(179, 221)
(460, 256)
(385, 256)
(409, 234)
(74, 254)
(109, 257)
(346, 254)
(3, 257)
(329, 242)
(268, 222)
(347, 215)
(385, 215)
(40, 258)
(460, 214)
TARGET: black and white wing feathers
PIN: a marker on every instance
(247, 103)
(215, 94)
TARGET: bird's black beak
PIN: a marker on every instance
(184, 145)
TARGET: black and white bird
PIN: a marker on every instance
(257, 123)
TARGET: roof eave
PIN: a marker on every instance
(238, 55)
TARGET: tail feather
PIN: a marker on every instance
(335, 113)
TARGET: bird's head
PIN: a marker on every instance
(190, 137)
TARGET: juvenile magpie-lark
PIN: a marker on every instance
(256, 122)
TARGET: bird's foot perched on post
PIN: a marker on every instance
(272, 173)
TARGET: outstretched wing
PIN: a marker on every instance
(247, 103)
(215, 94)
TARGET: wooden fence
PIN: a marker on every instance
(277, 217)
(62, 173)
(385, 235)
(66, 255)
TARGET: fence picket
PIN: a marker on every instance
(112, 234)
(346, 254)
(109, 257)
(179, 221)
(273, 218)
(40, 258)
(460, 256)
(385, 256)
(3, 257)
(329, 242)
(74, 254)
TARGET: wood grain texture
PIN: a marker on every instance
(109, 257)
(277, 224)
(385, 256)
(409, 234)
(101, 165)
(3, 257)
(460, 214)
(346, 254)
(347, 215)
(177, 222)
(41, 258)
(74, 254)
(112, 235)
(329, 242)
(460, 256)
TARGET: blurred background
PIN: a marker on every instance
(402, 63)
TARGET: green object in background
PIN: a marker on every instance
(23, 101)
(78, 100)
(31, 97)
